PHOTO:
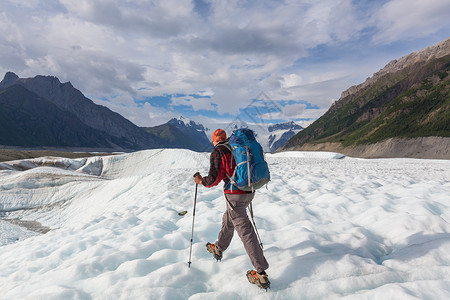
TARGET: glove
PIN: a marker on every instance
(198, 179)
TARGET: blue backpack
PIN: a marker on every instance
(252, 171)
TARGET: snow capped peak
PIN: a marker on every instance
(180, 120)
(271, 137)
(285, 126)
(192, 132)
(183, 121)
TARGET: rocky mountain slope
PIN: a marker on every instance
(28, 120)
(404, 104)
(116, 132)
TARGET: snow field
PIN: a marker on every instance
(331, 228)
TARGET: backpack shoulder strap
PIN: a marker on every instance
(226, 145)
(231, 178)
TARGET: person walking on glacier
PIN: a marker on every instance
(222, 168)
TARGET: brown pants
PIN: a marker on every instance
(236, 217)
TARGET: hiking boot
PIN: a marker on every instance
(260, 279)
(214, 250)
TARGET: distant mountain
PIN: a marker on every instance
(281, 133)
(270, 136)
(395, 113)
(285, 126)
(28, 120)
(114, 131)
(182, 133)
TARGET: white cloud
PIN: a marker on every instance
(155, 116)
(405, 19)
(28, 4)
(196, 103)
(291, 80)
(316, 86)
(292, 112)
(144, 116)
(163, 18)
(288, 112)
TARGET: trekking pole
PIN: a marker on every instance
(193, 218)
(254, 225)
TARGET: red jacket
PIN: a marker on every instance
(221, 164)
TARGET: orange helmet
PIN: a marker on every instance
(219, 135)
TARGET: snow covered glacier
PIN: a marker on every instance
(333, 227)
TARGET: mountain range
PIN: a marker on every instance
(43, 112)
(401, 111)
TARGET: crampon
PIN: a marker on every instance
(261, 280)
(215, 251)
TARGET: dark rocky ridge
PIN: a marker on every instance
(68, 99)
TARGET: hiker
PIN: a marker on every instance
(222, 165)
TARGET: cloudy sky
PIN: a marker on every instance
(214, 60)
